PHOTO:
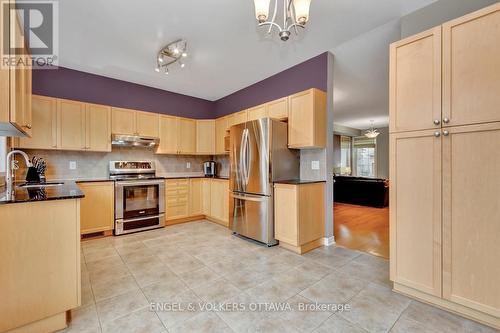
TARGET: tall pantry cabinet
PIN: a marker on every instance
(444, 165)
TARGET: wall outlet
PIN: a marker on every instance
(72, 165)
(188, 165)
(315, 165)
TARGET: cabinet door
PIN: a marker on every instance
(415, 82)
(177, 198)
(205, 194)
(237, 118)
(187, 136)
(220, 134)
(307, 120)
(257, 113)
(71, 120)
(147, 124)
(219, 200)
(97, 208)
(98, 127)
(415, 210)
(195, 196)
(471, 215)
(43, 135)
(278, 109)
(205, 137)
(286, 214)
(122, 121)
(471, 68)
(168, 135)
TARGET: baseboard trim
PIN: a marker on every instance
(328, 241)
(184, 219)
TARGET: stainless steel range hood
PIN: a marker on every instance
(134, 141)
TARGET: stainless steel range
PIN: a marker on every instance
(139, 196)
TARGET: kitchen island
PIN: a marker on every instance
(39, 257)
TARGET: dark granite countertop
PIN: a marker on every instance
(69, 190)
(299, 181)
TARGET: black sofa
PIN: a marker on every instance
(370, 192)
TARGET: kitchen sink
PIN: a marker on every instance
(40, 185)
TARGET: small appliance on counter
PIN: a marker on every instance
(210, 168)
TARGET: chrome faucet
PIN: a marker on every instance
(10, 169)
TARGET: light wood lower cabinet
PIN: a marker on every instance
(299, 216)
(177, 198)
(97, 209)
(415, 210)
(196, 196)
(219, 201)
(40, 260)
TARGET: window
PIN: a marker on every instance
(3, 153)
(364, 153)
(345, 155)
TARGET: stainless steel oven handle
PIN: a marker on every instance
(141, 218)
(139, 183)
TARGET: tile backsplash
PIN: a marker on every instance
(95, 165)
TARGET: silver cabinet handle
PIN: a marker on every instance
(446, 133)
(437, 134)
(436, 122)
(446, 120)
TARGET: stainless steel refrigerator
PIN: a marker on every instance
(259, 156)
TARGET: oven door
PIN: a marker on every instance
(138, 199)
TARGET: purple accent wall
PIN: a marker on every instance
(91, 88)
(312, 73)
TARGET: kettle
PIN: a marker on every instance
(209, 169)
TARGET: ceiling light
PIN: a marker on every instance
(295, 14)
(170, 54)
(157, 69)
(183, 65)
(372, 133)
(184, 54)
(160, 59)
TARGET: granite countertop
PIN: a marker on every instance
(69, 190)
(299, 181)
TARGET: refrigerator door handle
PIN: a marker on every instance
(241, 171)
(249, 198)
(244, 157)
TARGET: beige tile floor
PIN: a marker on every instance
(202, 263)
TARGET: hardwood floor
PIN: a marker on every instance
(362, 228)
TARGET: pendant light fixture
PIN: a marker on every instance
(170, 54)
(295, 15)
(372, 133)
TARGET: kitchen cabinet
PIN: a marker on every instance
(168, 135)
(307, 119)
(237, 118)
(147, 124)
(15, 84)
(219, 201)
(97, 208)
(187, 136)
(40, 246)
(98, 127)
(123, 121)
(257, 112)
(71, 122)
(299, 216)
(278, 109)
(196, 197)
(177, 199)
(206, 196)
(221, 125)
(471, 65)
(415, 82)
(205, 137)
(415, 210)
(471, 212)
(43, 135)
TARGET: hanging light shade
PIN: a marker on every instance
(261, 10)
(372, 133)
(301, 11)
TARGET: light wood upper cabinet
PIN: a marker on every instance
(187, 136)
(471, 68)
(123, 121)
(278, 109)
(147, 124)
(237, 118)
(98, 127)
(415, 214)
(415, 82)
(71, 119)
(220, 134)
(205, 137)
(471, 215)
(43, 135)
(257, 112)
(219, 200)
(307, 119)
(169, 130)
(97, 208)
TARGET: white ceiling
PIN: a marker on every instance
(120, 39)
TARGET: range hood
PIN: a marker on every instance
(134, 141)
